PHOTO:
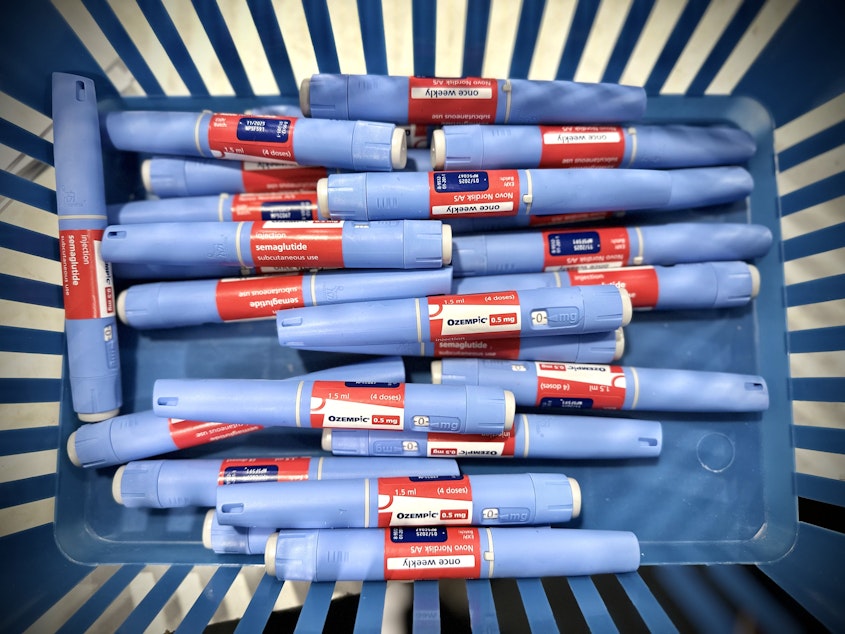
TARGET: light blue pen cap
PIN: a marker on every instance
(324, 96)
(179, 133)
(91, 446)
(235, 540)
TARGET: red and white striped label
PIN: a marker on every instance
(297, 244)
(640, 281)
(273, 177)
(474, 316)
(471, 445)
(257, 297)
(436, 552)
(580, 386)
(417, 501)
(190, 433)
(351, 405)
(460, 100)
(86, 280)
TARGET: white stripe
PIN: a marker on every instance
(28, 217)
(366, 502)
(398, 36)
(14, 519)
(608, 23)
(821, 216)
(199, 47)
(241, 27)
(551, 39)
(708, 31)
(26, 365)
(658, 27)
(812, 170)
(501, 37)
(58, 614)
(819, 414)
(145, 40)
(811, 123)
(766, 23)
(820, 463)
(28, 415)
(813, 267)
(297, 38)
(25, 117)
(132, 594)
(20, 315)
(31, 267)
(292, 595)
(346, 28)
(526, 432)
(827, 364)
(87, 30)
(636, 387)
(32, 464)
(20, 164)
(820, 315)
(238, 595)
(185, 595)
(451, 16)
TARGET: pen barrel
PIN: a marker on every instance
(558, 191)
(705, 186)
(234, 540)
(697, 391)
(672, 146)
(179, 133)
(121, 439)
(185, 209)
(685, 242)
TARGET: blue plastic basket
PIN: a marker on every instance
(764, 489)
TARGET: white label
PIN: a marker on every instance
(452, 561)
(422, 511)
(485, 208)
(467, 92)
(569, 138)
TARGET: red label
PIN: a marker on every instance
(581, 146)
(190, 433)
(86, 279)
(602, 248)
(464, 100)
(293, 244)
(567, 219)
(419, 501)
(473, 193)
(487, 349)
(476, 316)
(234, 136)
(275, 206)
(432, 553)
(580, 386)
(257, 297)
(263, 470)
(640, 282)
(272, 177)
(351, 405)
(471, 445)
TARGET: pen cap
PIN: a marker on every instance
(596, 189)
(90, 445)
(695, 391)
(135, 484)
(554, 552)
(324, 96)
(155, 243)
(667, 146)
(491, 147)
(182, 133)
(703, 186)
(707, 284)
(234, 540)
(170, 177)
(535, 101)
(591, 437)
(703, 242)
(168, 304)
(112, 441)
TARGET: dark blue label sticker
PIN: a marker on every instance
(446, 182)
(289, 210)
(568, 403)
(575, 243)
(263, 130)
(367, 384)
(253, 473)
(419, 534)
(433, 478)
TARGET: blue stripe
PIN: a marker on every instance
(154, 600)
(813, 194)
(526, 37)
(821, 489)
(27, 490)
(536, 604)
(627, 40)
(701, 605)
(482, 610)
(368, 618)
(261, 605)
(819, 438)
(271, 39)
(592, 605)
(424, 18)
(322, 36)
(215, 27)
(475, 36)
(34, 341)
(208, 601)
(792, 75)
(372, 35)
(29, 390)
(825, 141)
(832, 390)
(83, 618)
(126, 50)
(26, 142)
(814, 291)
(31, 242)
(817, 339)
(312, 618)
(582, 22)
(724, 46)
(171, 41)
(33, 578)
(675, 44)
(650, 610)
(16, 441)
(819, 241)
(426, 607)
(27, 192)
(29, 291)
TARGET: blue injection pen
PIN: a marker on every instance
(88, 292)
